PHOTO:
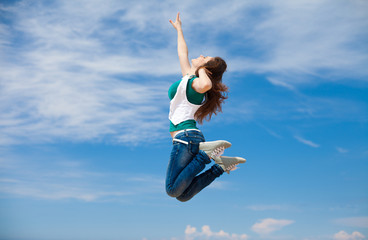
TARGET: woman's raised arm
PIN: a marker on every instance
(182, 46)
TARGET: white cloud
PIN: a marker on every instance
(353, 222)
(278, 82)
(190, 230)
(342, 235)
(342, 150)
(65, 82)
(270, 225)
(67, 71)
(306, 142)
(78, 107)
(191, 233)
(304, 38)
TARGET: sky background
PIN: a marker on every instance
(84, 141)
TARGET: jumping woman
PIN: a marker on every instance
(199, 94)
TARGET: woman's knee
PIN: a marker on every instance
(183, 198)
(172, 192)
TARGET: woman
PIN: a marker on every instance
(190, 153)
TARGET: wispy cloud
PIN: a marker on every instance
(270, 225)
(218, 184)
(293, 106)
(301, 41)
(65, 82)
(278, 82)
(306, 142)
(86, 74)
(264, 207)
(361, 222)
(84, 189)
(269, 131)
(56, 179)
(342, 235)
(342, 150)
(192, 233)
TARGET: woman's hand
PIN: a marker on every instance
(177, 23)
(204, 70)
(182, 47)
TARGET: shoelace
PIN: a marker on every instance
(217, 152)
(231, 167)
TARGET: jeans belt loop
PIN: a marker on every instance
(181, 141)
(185, 130)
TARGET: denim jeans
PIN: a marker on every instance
(186, 162)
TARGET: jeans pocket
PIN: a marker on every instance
(193, 148)
(174, 150)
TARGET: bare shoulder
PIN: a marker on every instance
(201, 85)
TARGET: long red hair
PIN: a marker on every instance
(214, 97)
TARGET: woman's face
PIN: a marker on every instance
(197, 62)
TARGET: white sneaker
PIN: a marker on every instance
(229, 163)
(215, 148)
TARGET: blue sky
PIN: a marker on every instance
(84, 141)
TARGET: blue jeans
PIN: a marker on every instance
(186, 162)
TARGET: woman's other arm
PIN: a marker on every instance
(182, 46)
(203, 83)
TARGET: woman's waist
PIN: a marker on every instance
(188, 124)
(177, 133)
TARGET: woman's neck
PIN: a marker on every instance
(192, 71)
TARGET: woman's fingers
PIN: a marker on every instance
(208, 72)
(177, 22)
(173, 24)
